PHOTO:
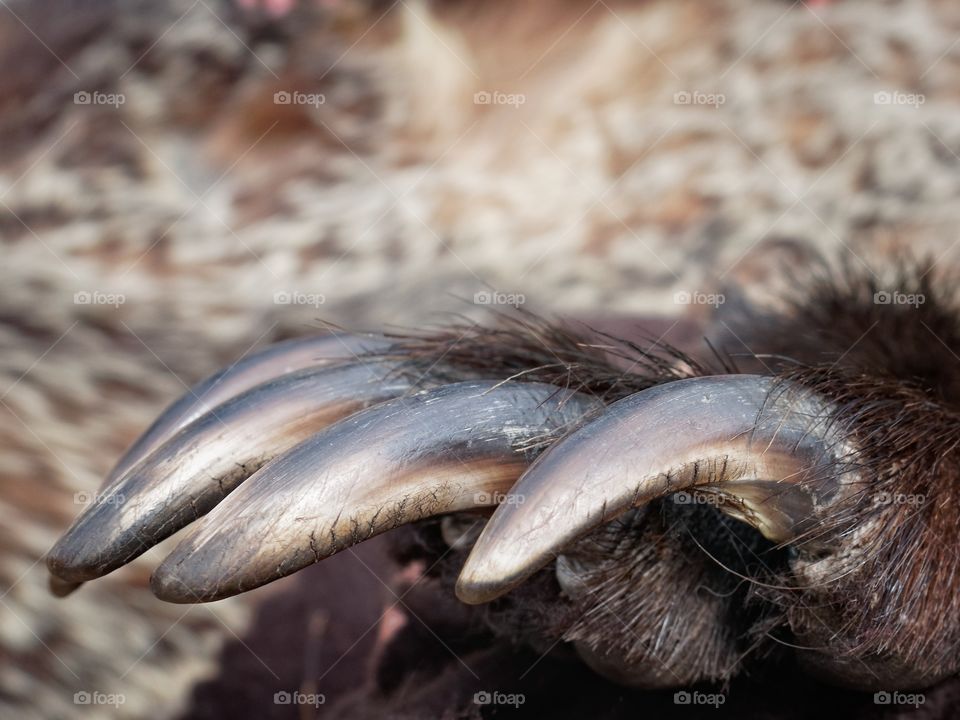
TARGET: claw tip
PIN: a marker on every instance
(61, 588)
(474, 590)
(166, 585)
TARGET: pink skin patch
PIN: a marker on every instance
(279, 8)
(392, 622)
(275, 8)
(394, 618)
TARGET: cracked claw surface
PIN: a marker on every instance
(197, 467)
(575, 458)
(454, 448)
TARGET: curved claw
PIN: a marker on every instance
(767, 445)
(452, 448)
(260, 367)
(191, 472)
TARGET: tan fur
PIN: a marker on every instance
(598, 194)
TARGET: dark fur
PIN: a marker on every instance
(719, 597)
(895, 374)
(892, 597)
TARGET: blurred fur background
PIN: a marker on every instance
(595, 158)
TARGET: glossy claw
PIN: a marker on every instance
(195, 469)
(453, 448)
(766, 444)
(260, 367)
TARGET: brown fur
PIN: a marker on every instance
(686, 198)
(885, 600)
(893, 372)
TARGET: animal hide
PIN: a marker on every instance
(162, 213)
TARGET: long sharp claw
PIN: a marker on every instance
(191, 472)
(260, 367)
(765, 443)
(61, 588)
(452, 448)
